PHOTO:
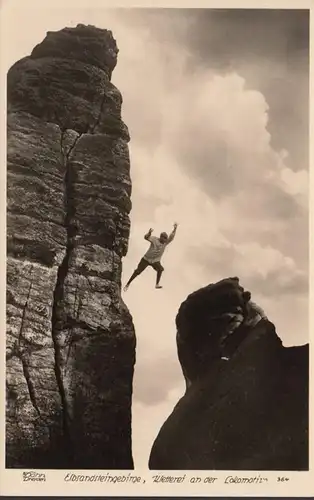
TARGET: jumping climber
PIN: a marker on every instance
(153, 255)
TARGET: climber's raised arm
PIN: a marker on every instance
(148, 235)
(173, 233)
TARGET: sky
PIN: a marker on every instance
(216, 103)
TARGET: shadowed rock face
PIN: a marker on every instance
(70, 338)
(248, 413)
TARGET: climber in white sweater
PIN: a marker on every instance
(153, 255)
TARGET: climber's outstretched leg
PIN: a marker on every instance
(159, 269)
(140, 268)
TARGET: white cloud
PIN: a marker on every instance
(191, 119)
(146, 423)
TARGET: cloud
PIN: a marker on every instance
(146, 422)
(149, 390)
(276, 283)
(209, 163)
(202, 154)
(261, 268)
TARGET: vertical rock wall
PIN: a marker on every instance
(70, 338)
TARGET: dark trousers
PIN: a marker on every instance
(143, 264)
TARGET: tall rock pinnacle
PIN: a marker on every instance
(70, 338)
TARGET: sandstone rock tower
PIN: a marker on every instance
(70, 338)
(250, 412)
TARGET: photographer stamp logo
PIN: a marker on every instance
(33, 476)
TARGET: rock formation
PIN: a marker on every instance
(247, 413)
(70, 338)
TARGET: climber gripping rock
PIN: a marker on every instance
(253, 312)
(246, 316)
(153, 255)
